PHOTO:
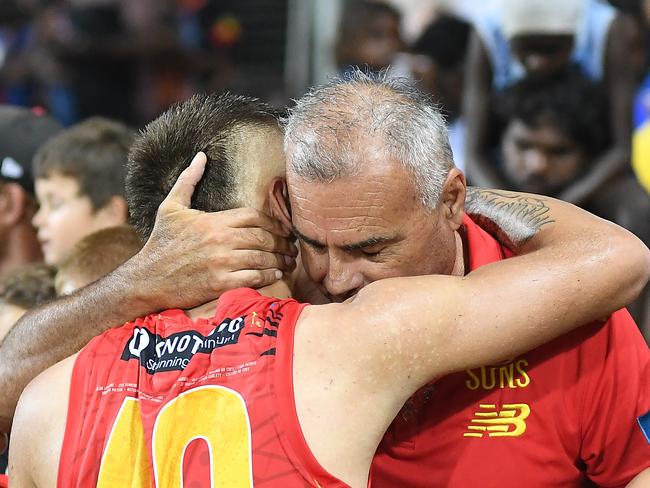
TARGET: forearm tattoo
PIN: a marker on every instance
(512, 218)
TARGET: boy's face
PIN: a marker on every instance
(65, 216)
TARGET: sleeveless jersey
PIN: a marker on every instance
(167, 401)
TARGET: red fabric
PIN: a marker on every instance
(107, 372)
(4, 481)
(582, 395)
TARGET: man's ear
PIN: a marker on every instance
(14, 203)
(115, 211)
(454, 191)
(280, 207)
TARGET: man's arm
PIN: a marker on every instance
(190, 258)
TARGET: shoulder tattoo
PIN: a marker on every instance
(512, 218)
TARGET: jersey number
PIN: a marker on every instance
(215, 414)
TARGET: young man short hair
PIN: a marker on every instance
(80, 184)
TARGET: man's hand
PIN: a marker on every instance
(192, 256)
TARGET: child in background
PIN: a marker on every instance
(79, 180)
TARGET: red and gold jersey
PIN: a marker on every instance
(4, 481)
(569, 410)
(167, 401)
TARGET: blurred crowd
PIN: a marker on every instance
(540, 96)
(129, 60)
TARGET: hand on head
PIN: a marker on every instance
(195, 256)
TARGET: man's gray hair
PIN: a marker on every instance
(327, 130)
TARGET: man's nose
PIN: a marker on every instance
(342, 279)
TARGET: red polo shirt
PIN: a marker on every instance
(564, 412)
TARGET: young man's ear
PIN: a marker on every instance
(280, 208)
(14, 203)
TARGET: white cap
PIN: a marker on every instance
(541, 16)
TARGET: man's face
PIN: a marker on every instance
(363, 228)
(65, 216)
(540, 159)
(543, 55)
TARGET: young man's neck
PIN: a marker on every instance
(279, 289)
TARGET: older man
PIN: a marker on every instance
(390, 242)
(374, 194)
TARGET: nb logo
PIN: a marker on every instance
(510, 421)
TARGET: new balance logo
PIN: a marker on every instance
(509, 421)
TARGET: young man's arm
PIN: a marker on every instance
(577, 268)
(190, 258)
